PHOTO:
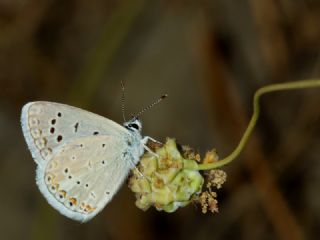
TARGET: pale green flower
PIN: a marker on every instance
(166, 180)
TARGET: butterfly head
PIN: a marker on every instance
(133, 125)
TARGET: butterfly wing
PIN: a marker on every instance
(84, 175)
(48, 125)
(53, 133)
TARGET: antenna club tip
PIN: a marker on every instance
(164, 96)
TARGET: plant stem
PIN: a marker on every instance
(256, 111)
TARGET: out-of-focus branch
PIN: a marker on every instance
(112, 36)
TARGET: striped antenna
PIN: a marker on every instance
(150, 106)
(123, 101)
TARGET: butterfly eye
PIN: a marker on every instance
(134, 125)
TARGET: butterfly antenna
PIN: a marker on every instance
(151, 105)
(123, 101)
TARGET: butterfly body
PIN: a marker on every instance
(82, 158)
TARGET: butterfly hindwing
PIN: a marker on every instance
(84, 175)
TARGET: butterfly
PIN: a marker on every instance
(82, 158)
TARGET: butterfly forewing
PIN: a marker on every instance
(47, 125)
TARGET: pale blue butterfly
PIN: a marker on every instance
(82, 158)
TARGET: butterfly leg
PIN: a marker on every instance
(150, 151)
(142, 176)
(138, 171)
(147, 138)
(133, 166)
(144, 143)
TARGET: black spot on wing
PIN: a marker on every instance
(76, 127)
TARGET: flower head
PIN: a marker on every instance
(169, 178)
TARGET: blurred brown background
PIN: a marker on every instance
(210, 57)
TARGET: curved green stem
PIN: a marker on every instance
(256, 110)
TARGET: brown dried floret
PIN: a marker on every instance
(208, 201)
(215, 178)
(211, 156)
